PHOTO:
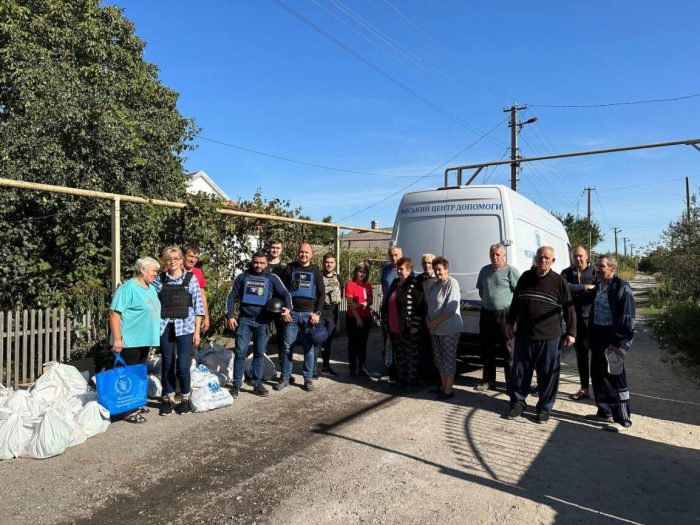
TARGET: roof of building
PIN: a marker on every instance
(195, 177)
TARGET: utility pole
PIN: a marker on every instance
(687, 198)
(515, 127)
(631, 250)
(616, 230)
(590, 229)
(624, 240)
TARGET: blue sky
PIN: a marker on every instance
(396, 89)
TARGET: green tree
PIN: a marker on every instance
(79, 107)
(577, 230)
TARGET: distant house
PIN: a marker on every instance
(200, 182)
(356, 241)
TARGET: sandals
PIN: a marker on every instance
(144, 410)
(578, 396)
(135, 418)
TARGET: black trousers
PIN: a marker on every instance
(582, 347)
(492, 336)
(406, 358)
(357, 342)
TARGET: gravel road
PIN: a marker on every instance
(355, 452)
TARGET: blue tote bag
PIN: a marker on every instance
(124, 388)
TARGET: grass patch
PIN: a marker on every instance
(677, 328)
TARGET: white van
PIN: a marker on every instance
(462, 222)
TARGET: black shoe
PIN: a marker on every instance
(599, 418)
(353, 372)
(515, 411)
(279, 386)
(535, 391)
(184, 407)
(328, 371)
(436, 390)
(235, 390)
(261, 391)
(542, 417)
(483, 387)
(316, 374)
(364, 372)
(166, 408)
(292, 380)
(309, 385)
(442, 396)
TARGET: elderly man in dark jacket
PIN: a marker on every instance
(582, 278)
(612, 330)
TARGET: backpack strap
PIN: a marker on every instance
(187, 279)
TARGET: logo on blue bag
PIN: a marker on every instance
(202, 368)
(214, 386)
(122, 385)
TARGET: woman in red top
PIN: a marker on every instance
(358, 293)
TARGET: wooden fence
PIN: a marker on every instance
(30, 338)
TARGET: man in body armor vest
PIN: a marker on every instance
(276, 265)
(305, 283)
(252, 290)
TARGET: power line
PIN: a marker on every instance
(426, 175)
(304, 163)
(630, 103)
(386, 75)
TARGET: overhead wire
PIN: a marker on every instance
(302, 162)
(431, 172)
(629, 103)
(385, 74)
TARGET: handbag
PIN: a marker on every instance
(124, 388)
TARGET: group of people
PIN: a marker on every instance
(531, 317)
(527, 319)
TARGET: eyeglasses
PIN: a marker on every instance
(173, 259)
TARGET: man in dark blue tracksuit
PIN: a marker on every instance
(612, 330)
(253, 289)
(541, 301)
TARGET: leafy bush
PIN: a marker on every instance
(677, 329)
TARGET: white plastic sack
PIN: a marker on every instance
(76, 403)
(4, 393)
(269, 370)
(155, 389)
(218, 359)
(153, 362)
(16, 431)
(201, 376)
(21, 401)
(58, 382)
(93, 419)
(53, 435)
(209, 397)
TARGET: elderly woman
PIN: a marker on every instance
(358, 293)
(134, 320)
(182, 311)
(403, 310)
(445, 324)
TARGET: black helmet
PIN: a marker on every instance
(274, 305)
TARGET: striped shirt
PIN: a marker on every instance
(183, 326)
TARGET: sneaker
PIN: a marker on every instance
(279, 386)
(166, 407)
(235, 390)
(598, 418)
(328, 371)
(309, 385)
(483, 387)
(616, 427)
(542, 417)
(515, 411)
(261, 391)
(184, 407)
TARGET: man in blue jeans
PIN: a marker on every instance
(252, 290)
(304, 281)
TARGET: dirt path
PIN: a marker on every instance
(355, 453)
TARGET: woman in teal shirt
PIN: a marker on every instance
(134, 319)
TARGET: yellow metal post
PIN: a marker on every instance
(116, 242)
